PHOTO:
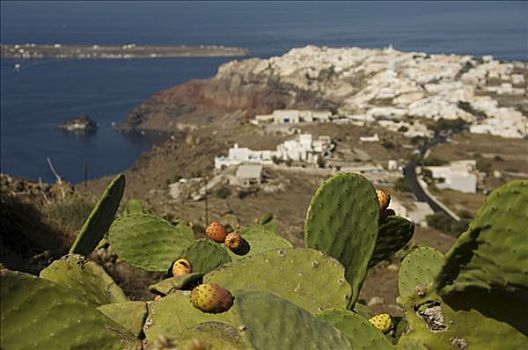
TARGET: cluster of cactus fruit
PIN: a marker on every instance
(251, 289)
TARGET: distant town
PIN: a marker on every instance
(117, 51)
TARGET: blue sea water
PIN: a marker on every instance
(43, 93)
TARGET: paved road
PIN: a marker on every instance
(410, 178)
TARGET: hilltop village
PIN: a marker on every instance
(439, 131)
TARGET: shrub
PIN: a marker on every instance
(321, 162)
(401, 185)
(68, 214)
(223, 192)
(443, 222)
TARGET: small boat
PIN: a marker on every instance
(17, 67)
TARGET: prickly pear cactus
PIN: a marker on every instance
(258, 239)
(418, 271)
(211, 336)
(358, 330)
(147, 241)
(267, 321)
(129, 314)
(493, 253)
(100, 219)
(85, 279)
(133, 206)
(205, 255)
(40, 314)
(172, 284)
(172, 315)
(265, 218)
(436, 325)
(298, 275)
(342, 221)
(394, 233)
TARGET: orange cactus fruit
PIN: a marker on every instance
(211, 298)
(216, 231)
(181, 267)
(383, 199)
(233, 241)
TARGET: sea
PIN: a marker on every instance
(42, 93)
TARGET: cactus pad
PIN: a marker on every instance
(259, 239)
(85, 279)
(147, 241)
(205, 255)
(267, 321)
(394, 233)
(133, 206)
(40, 314)
(418, 271)
(493, 253)
(211, 336)
(130, 314)
(462, 329)
(172, 315)
(342, 221)
(360, 333)
(172, 284)
(100, 218)
(298, 275)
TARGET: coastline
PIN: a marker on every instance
(127, 51)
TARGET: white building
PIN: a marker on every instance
(249, 174)
(458, 175)
(238, 155)
(293, 116)
(303, 149)
(374, 138)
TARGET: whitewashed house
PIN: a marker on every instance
(238, 155)
(374, 138)
(302, 149)
(249, 174)
(293, 116)
(458, 175)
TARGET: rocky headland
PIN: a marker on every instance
(376, 83)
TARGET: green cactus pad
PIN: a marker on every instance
(85, 279)
(133, 207)
(130, 314)
(205, 255)
(259, 239)
(174, 314)
(358, 330)
(363, 310)
(100, 218)
(211, 336)
(418, 270)
(342, 221)
(464, 329)
(171, 284)
(410, 344)
(185, 229)
(267, 321)
(40, 314)
(147, 241)
(493, 253)
(394, 233)
(305, 277)
(265, 218)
